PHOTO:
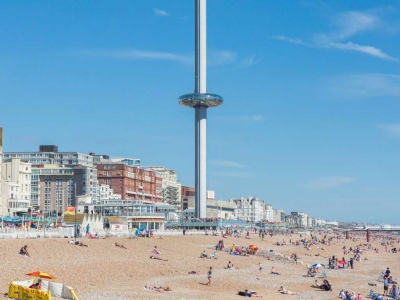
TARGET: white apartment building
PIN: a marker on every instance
(268, 213)
(106, 192)
(132, 162)
(170, 185)
(14, 201)
(249, 209)
(16, 186)
(19, 172)
(50, 155)
(278, 215)
(331, 224)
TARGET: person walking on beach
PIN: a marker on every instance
(385, 286)
(395, 291)
(351, 263)
(184, 230)
(209, 276)
(87, 229)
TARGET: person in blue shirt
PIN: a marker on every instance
(351, 263)
(385, 286)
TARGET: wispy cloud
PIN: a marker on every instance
(291, 40)
(136, 54)
(366, 85)
(254, 118)
(227, 163)
(250, 61)
(391, 130)
(359, 48)
(220, 57)
(234, 174)
(347, 25)
(215, 57)
(160, 12)
(327, 183)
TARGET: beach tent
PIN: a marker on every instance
(318, 265)
(21, 290)
(139, 230)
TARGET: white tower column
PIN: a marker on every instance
(201, 110)
(201, 162)
(200, 100)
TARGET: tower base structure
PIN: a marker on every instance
(200, 102)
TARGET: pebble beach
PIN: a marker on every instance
(103, 271)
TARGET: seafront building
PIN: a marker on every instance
(278, 215)
(131, 182)
(57, 177)
(54, 187)
(16, 185)
(249, 209)
(171, 187)
(188, 197)
(106, 192)
(48, 154)
(129, 212)
(268, 213)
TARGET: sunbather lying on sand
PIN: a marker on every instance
(158, 288)
(282, 290)
(120, 246)
(158, 258)
(248, 293)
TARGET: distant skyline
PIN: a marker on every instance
(310, 120)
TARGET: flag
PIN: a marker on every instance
(70, 210)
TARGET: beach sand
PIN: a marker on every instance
(103, 271)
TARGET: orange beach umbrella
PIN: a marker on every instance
(41, 274)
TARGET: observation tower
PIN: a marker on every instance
(200, 100)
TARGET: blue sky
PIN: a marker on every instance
(310, 120)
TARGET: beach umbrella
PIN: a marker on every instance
(318, 265)
(41, 274)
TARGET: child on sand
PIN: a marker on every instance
(273, 271)
(24, 251)
(209, 276)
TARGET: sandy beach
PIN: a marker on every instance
(103, 271)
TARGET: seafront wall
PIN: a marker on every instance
(62, 232)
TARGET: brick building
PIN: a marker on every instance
(130, 181)
(187, 194)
